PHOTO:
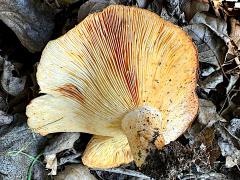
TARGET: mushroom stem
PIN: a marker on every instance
(143, 128)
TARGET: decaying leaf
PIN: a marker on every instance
(66, 2)
(143, 3)
(207, 113)
(211, 48)
(75, 172)
(12, 84)
(51, 161)
(58, 5)
(156, 6)
(226, 8)
(218, 26)
(232, 82)
(1, 62)
(5, 118)
(173, 9)
(62, 142)
(207, 143)
(58, 144)
(31, 21)
(205, 176)
(229, 142)
(3, 102)
(211, 81)
(92, 6)
(191, 7)
(235, 31)
(17, 145)
(164, 14)
(70, 159)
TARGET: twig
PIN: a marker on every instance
(125, 172)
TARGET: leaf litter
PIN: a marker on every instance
(210, 149)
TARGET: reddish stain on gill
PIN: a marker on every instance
(71, 91)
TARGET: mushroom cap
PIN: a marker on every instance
(111, 63)
(107, 152)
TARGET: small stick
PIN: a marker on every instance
(124, 171)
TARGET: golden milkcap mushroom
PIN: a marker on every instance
(124, 75)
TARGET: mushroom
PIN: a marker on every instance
(124, 75)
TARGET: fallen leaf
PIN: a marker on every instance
(207, 113)
(69, 159)
(164, 14)
(227, 8)
(143, 3)
(191, 7)
(232, 81)
(173, 9)
(156, 6)
(58, 144)
(208, 144)
(206, 176)
(75, 172)
(217, 25)
(30, 20)
(235, 31)
(211, 81)
(3, 102)
(229, 142)
(206, 71)
(1, 62)
(18, 145)
(51, 161)
(11, 84)
(92, 6)
(5, 118)
(211, 48)
(66, 2)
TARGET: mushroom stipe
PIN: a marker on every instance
(124, 75)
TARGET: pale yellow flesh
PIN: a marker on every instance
(111, 63)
